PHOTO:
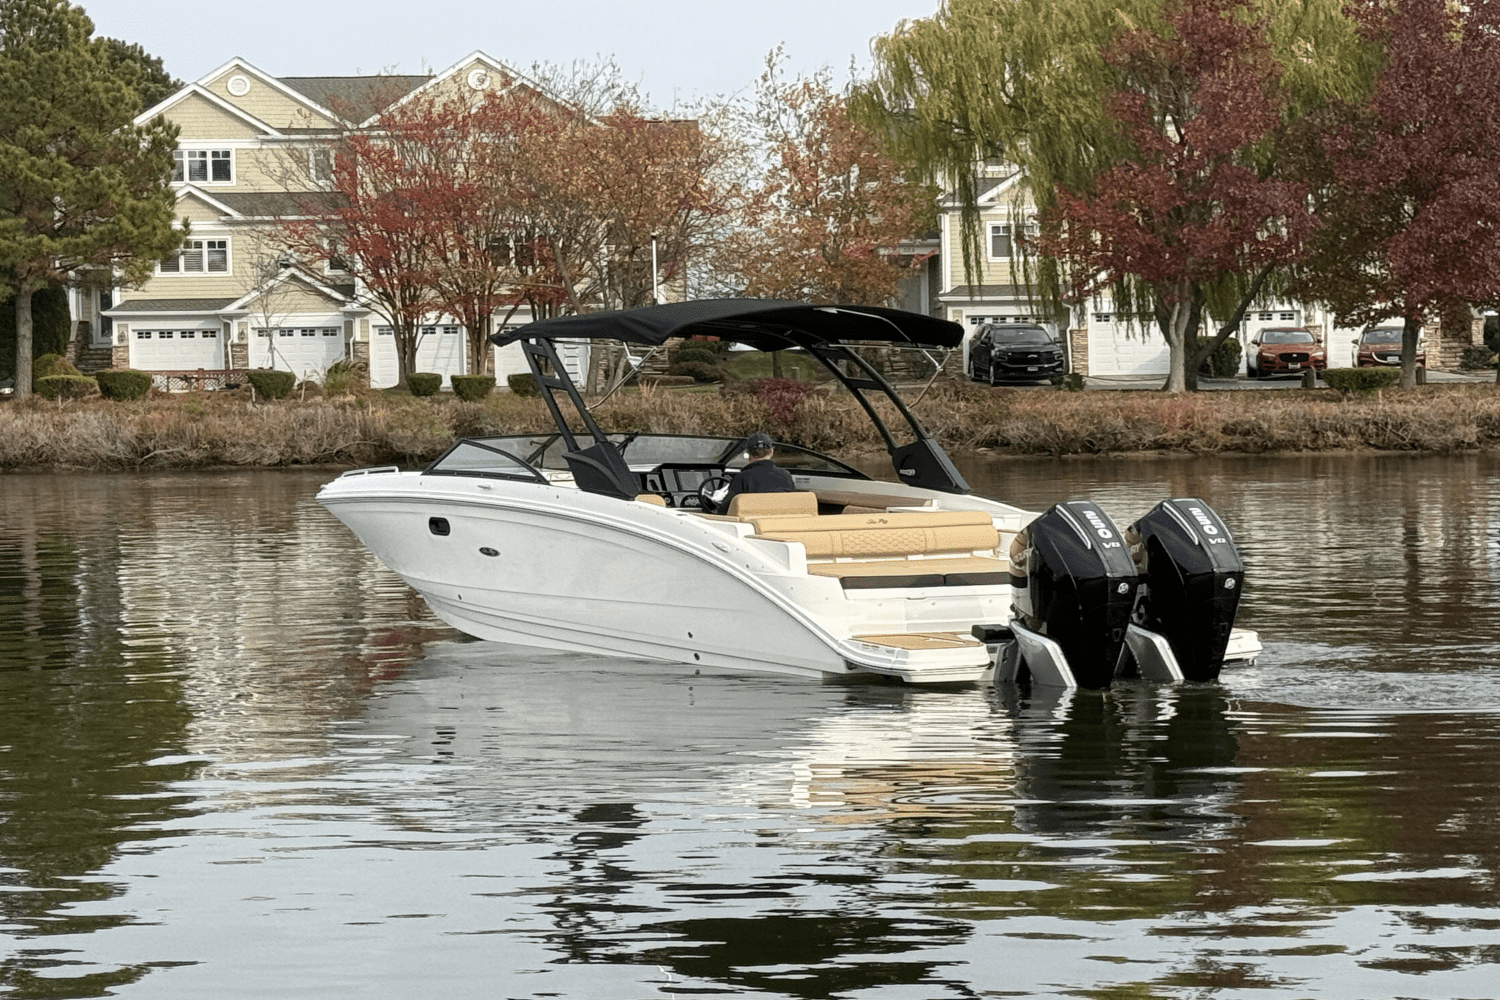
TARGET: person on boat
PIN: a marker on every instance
(761, 475)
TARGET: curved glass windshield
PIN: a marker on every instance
(1388, 336)
(1020, 335)
(647, 451)
(1286, 337)
(476, 458)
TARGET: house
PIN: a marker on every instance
(1100, 341)
(230, 300)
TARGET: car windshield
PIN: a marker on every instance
(1019, 335)
(1391, 336)
(1286, 337)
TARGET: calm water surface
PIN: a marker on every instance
(239, 759)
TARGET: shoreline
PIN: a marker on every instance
(227, 430)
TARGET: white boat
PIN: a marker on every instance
(610, 542)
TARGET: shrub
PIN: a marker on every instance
(123, 383)
(1477, 357)
(1361, 379)
(702, 355)
(523, 384)
(472, 388)
(424, 383)
(697, 369)
(271, 384)
(345, 378)
(51, 364)
(780, 396)
(1224, 362)
(65, 386)
(1071, 382)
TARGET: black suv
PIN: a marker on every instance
(1015, 352)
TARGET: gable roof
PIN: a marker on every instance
(198, 90)
(356, 98)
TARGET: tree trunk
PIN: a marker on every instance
(1411, 331)
(23, 343)
(1174, 330)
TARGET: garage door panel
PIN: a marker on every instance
(164, 350)
(305, 351)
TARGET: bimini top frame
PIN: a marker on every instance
(825, 332)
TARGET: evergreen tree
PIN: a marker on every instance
(50, 318)
(81, 185)
(142, 70)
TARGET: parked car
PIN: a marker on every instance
(1381, 345)
(1015, 352)
(1284, 350)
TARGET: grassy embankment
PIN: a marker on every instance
(201, 430)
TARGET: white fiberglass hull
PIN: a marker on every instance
(552, 566)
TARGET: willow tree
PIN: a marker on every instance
(1078, 94)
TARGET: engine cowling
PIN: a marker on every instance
(1073, 580)
(1191, 578)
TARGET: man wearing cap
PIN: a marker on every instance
(762, 474)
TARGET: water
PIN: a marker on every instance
(239, 759)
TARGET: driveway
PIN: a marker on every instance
(1240, 382)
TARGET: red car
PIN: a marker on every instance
(1284, 350)
(1381, 346)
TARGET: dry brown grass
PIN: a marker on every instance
(225, 429)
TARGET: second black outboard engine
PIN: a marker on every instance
(1191, 576)
(1074, 582)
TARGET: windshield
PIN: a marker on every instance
(1387, 336)
(476, 458)
(1286, 337)
(1019, 335)
(647, 451)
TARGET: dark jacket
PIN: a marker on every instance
(759, 477)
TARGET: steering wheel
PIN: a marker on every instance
(707, 489)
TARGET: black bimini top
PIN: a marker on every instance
(764, 324)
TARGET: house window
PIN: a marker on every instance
(320, 165)
(1000, 240)
(1288, 317)
(1266, 317)
(203, 165)
(143, 335)
(198, 257)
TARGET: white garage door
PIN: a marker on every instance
(165, 350)
(440, 349)
(1117, 347)
(305, 351)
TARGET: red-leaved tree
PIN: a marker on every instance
(832, 207)
(1191, 203)
(1408, 181)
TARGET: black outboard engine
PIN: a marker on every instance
(1079, 586)
(1191, 575)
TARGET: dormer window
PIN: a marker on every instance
(201, 166)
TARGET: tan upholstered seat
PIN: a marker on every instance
(651, 498)
(884, 536)
(748, 505)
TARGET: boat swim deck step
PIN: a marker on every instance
(920, 640)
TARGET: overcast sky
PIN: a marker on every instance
(674, 49)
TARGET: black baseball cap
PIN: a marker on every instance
(759, 441)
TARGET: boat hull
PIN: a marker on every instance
(554, 567)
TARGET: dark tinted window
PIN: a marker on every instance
(1020, 335)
